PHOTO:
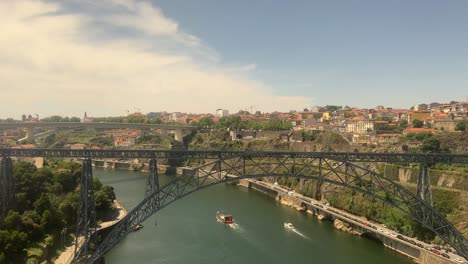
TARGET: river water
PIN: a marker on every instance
(187, 231)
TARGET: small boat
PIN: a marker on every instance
(289, 226)
(137, 227)
(224, 218)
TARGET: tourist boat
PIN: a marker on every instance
(288, 225)
(224, 218)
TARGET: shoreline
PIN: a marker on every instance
(425, 257)
(358, 223)
(67, 254)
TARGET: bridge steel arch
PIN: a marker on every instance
(339, 172)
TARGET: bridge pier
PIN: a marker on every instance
(86, 222)
(29, 134)
(152, 183)
(7, 186)
(424, 185)
(178, 135)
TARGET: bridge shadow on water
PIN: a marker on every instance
(373, 237)
(129, 179)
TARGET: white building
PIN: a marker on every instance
(221, 113)
(360, 127)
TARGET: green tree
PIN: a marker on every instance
(54, 118)
(431, 145)
(67, 180)
(205, 122)
(418, 123)
(462, 125)
(403, 123)
(405, 148)
(13, 244)
(13, 221)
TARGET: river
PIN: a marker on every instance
(187, 231)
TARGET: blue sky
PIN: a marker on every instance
(359, 53)
(197, 56)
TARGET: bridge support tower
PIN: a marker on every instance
(424, 185)
(86, 222)
(30, 134)
(152, 183)
(7, 186)
(178, 135)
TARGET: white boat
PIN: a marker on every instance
(288, 225)
(137, 227)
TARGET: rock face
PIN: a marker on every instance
(338, 224)
(300, 208)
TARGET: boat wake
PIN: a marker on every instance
(237, 227)
(297, 232)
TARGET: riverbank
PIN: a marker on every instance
(359, 225)
(416, 250)
(67, 255)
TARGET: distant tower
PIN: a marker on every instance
(85, 115)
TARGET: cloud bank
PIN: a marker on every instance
(105, 57)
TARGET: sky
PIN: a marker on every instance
(108, 57)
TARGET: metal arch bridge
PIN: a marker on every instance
(343, 169)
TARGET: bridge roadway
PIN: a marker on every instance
(219, 154)
(108, 125)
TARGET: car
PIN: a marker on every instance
(419, 245)
(412, 242)
(445, 255)
(435, 251)
(399, 237)
(459, 260)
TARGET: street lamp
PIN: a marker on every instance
(63, 233)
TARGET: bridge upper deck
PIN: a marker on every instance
(220, 154)
(109, 125)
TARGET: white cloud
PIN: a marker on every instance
(51, 64)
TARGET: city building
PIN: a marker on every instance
(360, 127)
(221, 112)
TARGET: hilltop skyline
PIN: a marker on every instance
(109, 56)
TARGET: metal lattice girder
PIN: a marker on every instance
(215, 154)
(86, 222)
(152, 184)
(424, 186)
(336, 172)
(7, 186)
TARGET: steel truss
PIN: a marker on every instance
(335, 171)
(152, 184)
(86, 222)
(424, 186)
(7, 186)
(214, 154)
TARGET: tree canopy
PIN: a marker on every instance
(462, 125)
(47, 201)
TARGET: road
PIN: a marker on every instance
(67, 255)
